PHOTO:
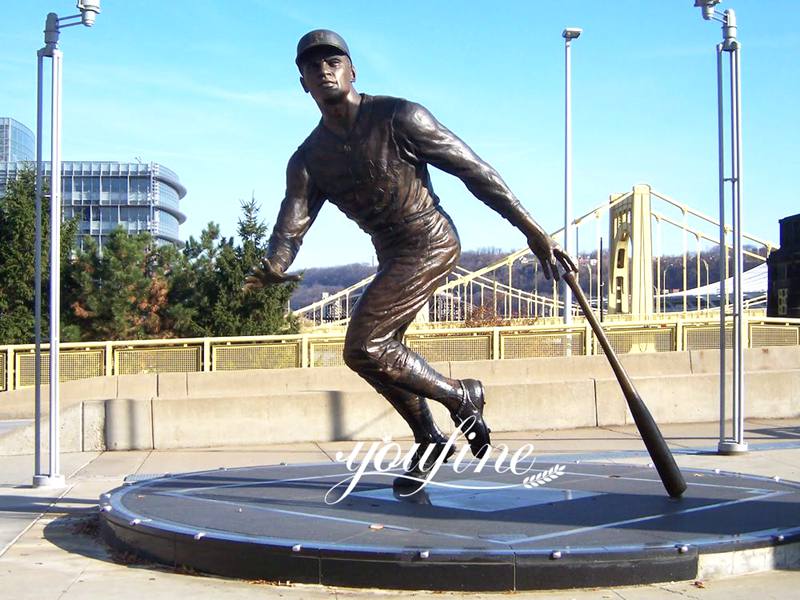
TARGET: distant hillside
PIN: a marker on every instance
(476, 259)
(333, 279)
(328, 279)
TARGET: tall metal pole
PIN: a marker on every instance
(53, 25)
(723, 247)
(568, 34)
(589, 269)
(55, 270)
(567, 174)
(50, 49)
(736, 239)
(37, 259)
(601, 295)
(739, 340)
(730, 44)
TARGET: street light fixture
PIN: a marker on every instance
(569, 34)
(731, 45)
(89, 10)
(664, 290)
(591, 264)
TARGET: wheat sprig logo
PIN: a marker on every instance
(544, 477)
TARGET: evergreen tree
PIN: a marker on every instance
(121, 293)
(262, 310)
(207, 298)
(134, 288)
(17, 240)
(253, 232)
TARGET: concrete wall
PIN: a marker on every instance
(183, 410)
(19, 404)
(81, 429)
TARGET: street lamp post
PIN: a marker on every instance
(569, 34)
(589, 266)
(664, 287)
(730, 44)
(53, 26)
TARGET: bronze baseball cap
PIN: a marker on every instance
(321, 37)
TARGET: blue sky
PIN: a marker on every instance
(210, 90)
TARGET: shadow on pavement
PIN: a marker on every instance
(79, 533)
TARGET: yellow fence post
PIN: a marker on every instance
(9, 369)
(16, 372)
(587, 338)
(108, 359)
(746, 326)
(207, 366)
(115, 359)
(305, 354)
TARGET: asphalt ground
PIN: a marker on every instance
(49, 548)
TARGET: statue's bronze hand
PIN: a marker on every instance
(543, 246)
(565, 260)
(265, 275)
(550, 254)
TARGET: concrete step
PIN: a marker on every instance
(327, 415)
(8, 426)
(81, 427)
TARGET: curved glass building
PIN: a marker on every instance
(16, 141)
(104, 195)
(135, 196)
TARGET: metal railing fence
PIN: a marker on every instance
(316, 350)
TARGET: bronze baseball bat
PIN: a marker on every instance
(662, 458)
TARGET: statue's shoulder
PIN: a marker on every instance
(388, 105)
(382, 101)
(407, 110)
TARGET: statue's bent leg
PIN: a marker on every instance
(373, 346)
(415, 411)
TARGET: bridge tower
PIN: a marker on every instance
(631, 254)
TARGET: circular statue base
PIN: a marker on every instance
(583, 525)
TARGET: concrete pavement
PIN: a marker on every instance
(48, 549)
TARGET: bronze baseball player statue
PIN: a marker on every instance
(369, 156)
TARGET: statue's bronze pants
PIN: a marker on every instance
(412, 264)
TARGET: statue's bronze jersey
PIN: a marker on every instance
(372, 175)
(378, 176)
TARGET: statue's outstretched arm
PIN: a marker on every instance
(427, 140)
(298, 210)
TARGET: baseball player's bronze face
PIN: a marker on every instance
(327, 75)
